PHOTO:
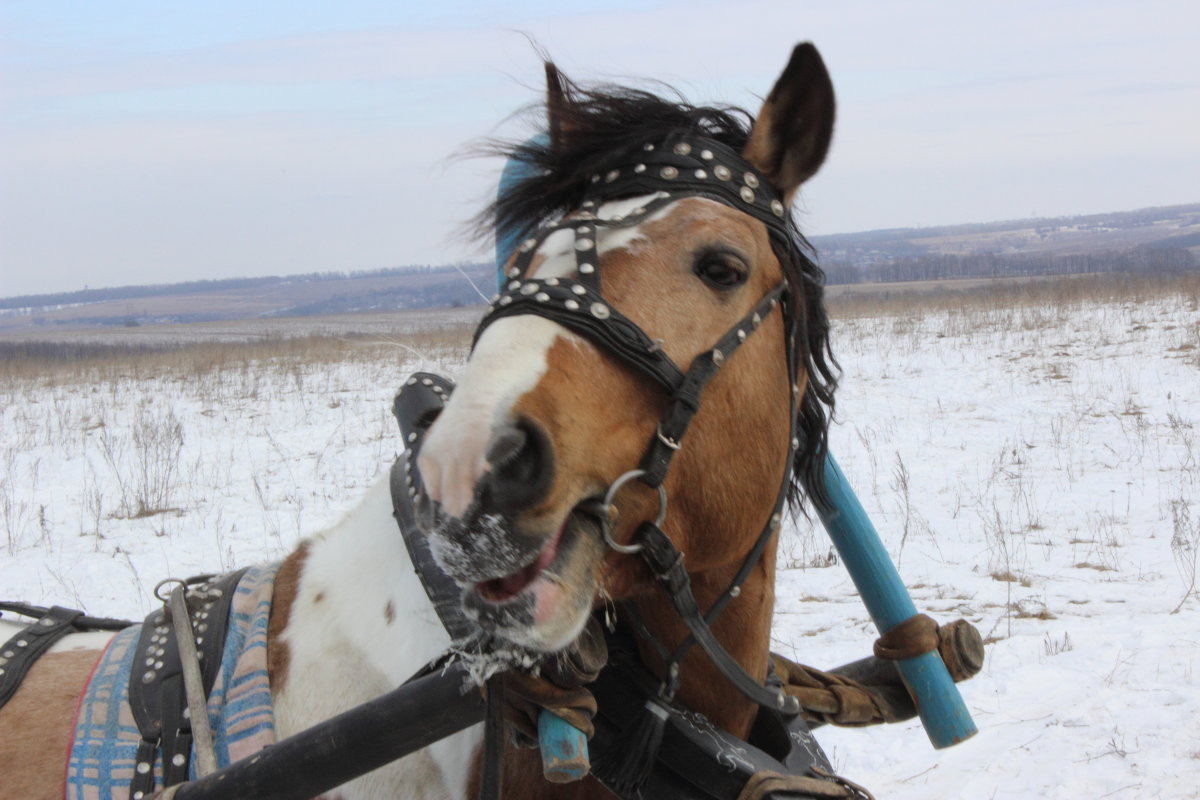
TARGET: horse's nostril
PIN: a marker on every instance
(522, 467)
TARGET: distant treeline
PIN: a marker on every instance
(454, 293)
(896, 241)
(938, 266)
(199, 287)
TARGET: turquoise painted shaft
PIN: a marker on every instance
(939, 704)
(507, 239)
(564, 749)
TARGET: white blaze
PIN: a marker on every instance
(508, 361)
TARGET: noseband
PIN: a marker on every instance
(683, 166)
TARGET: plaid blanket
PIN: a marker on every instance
(106, 737)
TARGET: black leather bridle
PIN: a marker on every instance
(665, 171)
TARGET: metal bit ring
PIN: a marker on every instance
(606, 518)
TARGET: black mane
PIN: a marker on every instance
(598, 122)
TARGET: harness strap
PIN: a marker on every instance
(819, 783)
(582, 309)
(667, 562)
(19, 652)
(82, 623)
(685, 398)
(157, 696)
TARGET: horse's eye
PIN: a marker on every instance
(721, 270)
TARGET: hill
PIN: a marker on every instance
(1166, 238)
(1151, 239)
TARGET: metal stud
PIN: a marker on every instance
(648, 147)
(148, 676)
(529, 288)
(747, 194)
(541, 297)
(515, 272)
(777, 208)
(1, 671)
(514, 285)
(734, 591)
(138, 795)
(741, 336)
(571, 305)
(795, 444)
(505, 300)
(584, 244)
(47, 621)
(583, 229)
(22, 643)
(586, 269)
(683, 148)
(410, 381)
(149, 662)
(595, 179)
(600, 311)
(637, 212)
(669, 173)
(718, 357)
(577, 289)
(143, 768)
(427, 381)
(612, 175)
(723, 172)
(529, 244)
(639, 169)
(751, 180)
(707, 155)
(756, 319)
(589, 204)
(701, 174)
(178, 759)
(551, 281)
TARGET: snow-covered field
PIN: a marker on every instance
(1033, 467)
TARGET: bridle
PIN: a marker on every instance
(681, 166)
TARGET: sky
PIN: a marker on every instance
(153, 142)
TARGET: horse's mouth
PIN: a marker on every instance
(543, 604)
(505, 588)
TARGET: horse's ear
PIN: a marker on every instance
(791, 135)
(558, 104)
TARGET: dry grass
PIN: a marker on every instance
(55, 362)
(974, 296)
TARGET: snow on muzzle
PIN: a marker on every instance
(483, 465)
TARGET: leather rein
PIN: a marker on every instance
(682, 166)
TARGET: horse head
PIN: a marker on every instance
(661, 290)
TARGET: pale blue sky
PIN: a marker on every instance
(163, 141)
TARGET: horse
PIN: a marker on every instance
(561, 454)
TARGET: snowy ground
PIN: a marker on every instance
(1034, 469)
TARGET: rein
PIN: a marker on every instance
(683, 166)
